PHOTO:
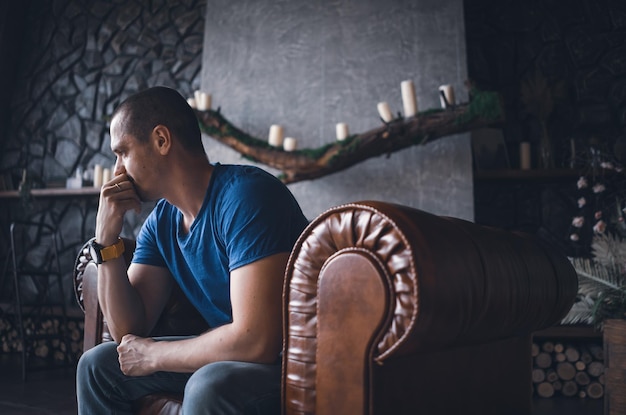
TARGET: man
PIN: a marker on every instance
(223, 233)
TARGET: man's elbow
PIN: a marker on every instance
(266, 352)
(117, 332)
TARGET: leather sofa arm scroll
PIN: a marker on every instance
(372, 281)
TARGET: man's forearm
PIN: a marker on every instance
(141, 356)
(121, 304)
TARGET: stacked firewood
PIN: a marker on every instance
(46, 348)
(572, 370)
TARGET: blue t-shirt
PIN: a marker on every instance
(247, 214)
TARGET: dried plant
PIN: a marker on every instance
(539, 96)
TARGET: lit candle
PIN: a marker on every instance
(276, 135)
(384, 112)
(342, 131)
(448, 92)
(203, 100)
(290, 144)
(524, 155)
(106, 175)
(408, 98)
(191, 102)
(97, 175)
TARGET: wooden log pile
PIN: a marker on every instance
(52, 349)
(568, 369)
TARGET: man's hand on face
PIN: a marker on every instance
(134, 356)
(117, 197)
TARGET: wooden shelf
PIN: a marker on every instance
(574, 331)
(53, 192)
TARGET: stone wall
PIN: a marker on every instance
(79, 60)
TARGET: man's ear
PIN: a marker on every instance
(162, 139)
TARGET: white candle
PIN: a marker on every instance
(408, 98)
(97, 175)
(448, 92)
(197, 96)
(384, 112)
(203, 100)
(106, 175)
(342, 131)
(75, 182)
(276, 135)
(207, 101)
(524, 155)
(191, 102)
(290, 144)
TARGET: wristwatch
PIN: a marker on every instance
(102, 254)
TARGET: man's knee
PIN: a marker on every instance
(210, 381)
(231, 387)
(98, 358)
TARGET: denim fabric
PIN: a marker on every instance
(217, 388)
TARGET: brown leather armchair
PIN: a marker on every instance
(392, 310)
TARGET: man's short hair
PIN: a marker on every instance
(145, 110)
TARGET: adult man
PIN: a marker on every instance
(223, 233)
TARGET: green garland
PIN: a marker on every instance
(483, 104)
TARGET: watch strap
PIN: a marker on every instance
(112, 251)
(107, 253)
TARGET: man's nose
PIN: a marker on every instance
(119, 168)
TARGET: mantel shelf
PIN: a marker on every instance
(534, 174)
(53, 192)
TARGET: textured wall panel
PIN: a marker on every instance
(308, 65)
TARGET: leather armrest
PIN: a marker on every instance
(377, 281)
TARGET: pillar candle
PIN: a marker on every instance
(290, 144)
(106, 175)
(276, 135)
(206, 101)
(448, 92)
(203, 100)
(408, 98)
(384, 112)
(197, 96)
(191, 102)
(524, 155)
(342, 131)
(97, 176)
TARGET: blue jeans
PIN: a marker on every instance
(217, 388)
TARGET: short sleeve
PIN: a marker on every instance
(258, 220)
(147, 250)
